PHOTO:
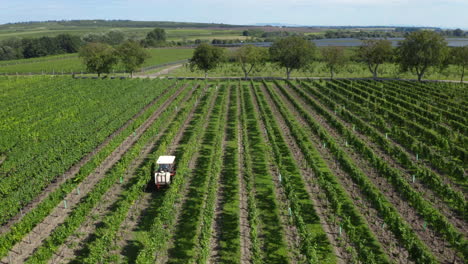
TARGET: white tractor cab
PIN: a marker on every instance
(165, 172)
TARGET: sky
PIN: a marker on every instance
(437, 13)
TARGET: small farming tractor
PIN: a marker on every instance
(165, 172)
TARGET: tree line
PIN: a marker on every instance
(12, 49)
(16, 48)
(417, 53)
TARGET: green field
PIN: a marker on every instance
(173, 34)
(71, 62)
(37, 60)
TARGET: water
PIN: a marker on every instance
(352, 42)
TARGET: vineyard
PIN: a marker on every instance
(300, 171)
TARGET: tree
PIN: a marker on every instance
(98, 57)
(375, 52)
(156, 37)
(458, 32)
(421, 50)
(292, 53)
(334, 59)
(250, 58)
(68, 43)
(93, 37)
(13, 48)
(35, 47)
(7, 53)
(459, 57)
(206, 57)
(132, 55)
(114, 37)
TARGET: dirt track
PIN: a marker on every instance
(245, 243)
(157, 74)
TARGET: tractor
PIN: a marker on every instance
(165, 172)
